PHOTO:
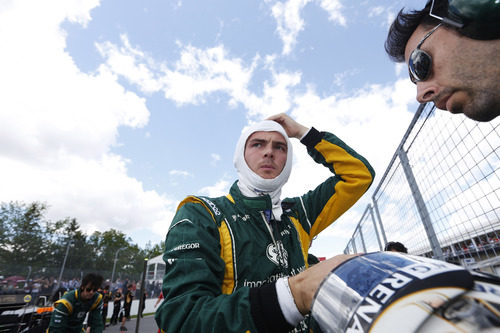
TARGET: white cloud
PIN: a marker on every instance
(215, 158)
(339, 78)
(401, 67)
(57, 125)
(357, 120)
(376, 11)
(125, 61)
(290, 23)
(220, 188)
(201, 72)
(333, 8)
(195, 75)
(390, 16)
(389, 12)
(180, 173)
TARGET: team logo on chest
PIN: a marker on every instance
(277, 254)
(244, 218)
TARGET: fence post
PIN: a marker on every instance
(421, 207)
(362, 238)
(380, 223)
(375, 227)
(347, 247)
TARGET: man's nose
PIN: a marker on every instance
(268, 151)
(426, 91)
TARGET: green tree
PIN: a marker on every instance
(81, 255)
(113, 244)
(22, 235)
(28, 238)
(151, 251)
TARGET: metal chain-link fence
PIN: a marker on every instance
(440, 195)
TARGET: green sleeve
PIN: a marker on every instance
(96, 324)
(59, 319)
(193, 300)
(352, 176)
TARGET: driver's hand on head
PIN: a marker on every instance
(293, 129)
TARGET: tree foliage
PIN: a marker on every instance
(29, 240)
(22, 239)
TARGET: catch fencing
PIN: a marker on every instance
(440, 195)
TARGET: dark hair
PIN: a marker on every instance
(396, 246)
(405, 24)
(94, 279)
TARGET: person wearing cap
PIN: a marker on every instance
(70, 310)
(452, 49)
(238, 263)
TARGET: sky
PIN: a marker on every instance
(113, 111)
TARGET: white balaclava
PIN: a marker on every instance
(250, 183)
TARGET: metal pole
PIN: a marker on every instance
(64, 263)
(141, 299)
(362, 238)
(29, 273)
(421, 207)
(361, 229)
(380, 224)
(354, 244)
(114, 264)
(375, 227)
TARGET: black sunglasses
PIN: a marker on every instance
(90, 289)
(420, 62)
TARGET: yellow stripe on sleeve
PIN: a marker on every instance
(193, 199)
(96, 302)
(66, 303)
(305, 240)
(356, 180)
(226, 253)
(226, 246)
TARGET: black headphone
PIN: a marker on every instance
(477, 19)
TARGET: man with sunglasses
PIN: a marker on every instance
(454, 60)
(70, 311)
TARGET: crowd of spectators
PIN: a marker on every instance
(45, 286)
(153, 289)
(49, 287)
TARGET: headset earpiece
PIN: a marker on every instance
(480, 19)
